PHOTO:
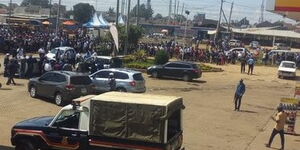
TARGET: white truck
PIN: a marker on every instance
(113, 120)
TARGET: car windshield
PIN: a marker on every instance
(54, 51)
(288, 65)
(138, 77)
(195, 66)
(81, 80)
(103, 60)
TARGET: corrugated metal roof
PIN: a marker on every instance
(268, 32)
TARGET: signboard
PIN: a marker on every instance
(287, 5)
(290, 107)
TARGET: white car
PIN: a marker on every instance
(235, 43)
(239, 51)
(287, 69)
(254, 44)
(63, 52)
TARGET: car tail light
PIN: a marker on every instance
(70, 87)
(196, 71)
(132, 83)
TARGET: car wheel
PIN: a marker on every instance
(121, 90)
(187, 78)
(154, 74)
(58, 99)
(32, 91)
(25, 145)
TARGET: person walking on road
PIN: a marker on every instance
(280, 119)
(12, 69)
(243, 63)
(240, 91)
(112, 82)
(251, 63)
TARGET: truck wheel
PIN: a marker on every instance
(25, 145)
(187, 78)
(154, 74)
(32, 91)
(58, 99)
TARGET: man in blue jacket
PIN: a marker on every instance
(240, 90)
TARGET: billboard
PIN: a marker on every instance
(287, 5)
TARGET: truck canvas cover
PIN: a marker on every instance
(131, 116)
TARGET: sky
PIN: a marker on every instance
(242, 8)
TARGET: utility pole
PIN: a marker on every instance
(170, 12)
(57, 18)
(138, 13)
(10, 12)
(229, 20)
(219, 22)
(122, 7)
(50, 11)
(117, 16)
(181, 17)
(262, 9)
(175, 6)
(127, 29)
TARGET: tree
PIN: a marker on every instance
(161, 57)
(111, 11)
(83, 12)
(158, 16)
(179, 18)
(42, 3)
(144, 12)
(135, 34)
(3, 6)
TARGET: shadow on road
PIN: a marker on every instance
(6, 148)
(248, 111)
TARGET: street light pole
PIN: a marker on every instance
(127, 29)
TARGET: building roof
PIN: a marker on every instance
(268, 32)
(131, 98)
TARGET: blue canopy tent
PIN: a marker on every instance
(96, 23)
(121, 20)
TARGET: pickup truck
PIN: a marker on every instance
(114, 120)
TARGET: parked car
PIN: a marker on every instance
(62, 86)
(181, 70)
(278, 46)
(287, 69)
(240, 51)
(255, 44)
(235, 43)
(106, 61)
(126, 80)
(110, 121)
(63, 52)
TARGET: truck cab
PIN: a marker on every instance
(108, 121)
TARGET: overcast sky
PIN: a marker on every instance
(242, 8)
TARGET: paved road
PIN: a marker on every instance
(209, 120)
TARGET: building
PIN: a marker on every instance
(287, 8)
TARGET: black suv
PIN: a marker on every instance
(183, 70)
(62, 86)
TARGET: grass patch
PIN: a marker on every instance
(207, 68)
(140, 65)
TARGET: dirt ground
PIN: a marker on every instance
(209, 120)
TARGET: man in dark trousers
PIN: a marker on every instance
(240, 90)
(251, 63)
(112, 82)
(30, 63)
(243, 63)
(12, 69)
(5, 63)
(280, 119)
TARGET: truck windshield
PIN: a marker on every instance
(68, 119)
(174, 124)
